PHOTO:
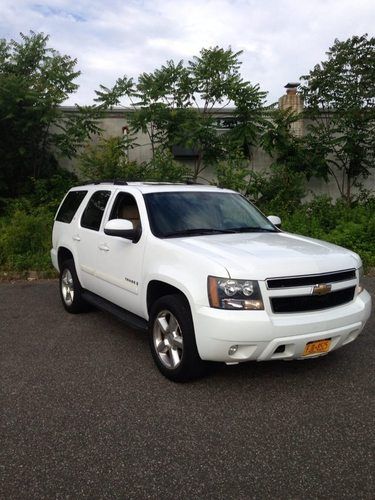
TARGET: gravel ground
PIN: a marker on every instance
(85, 414)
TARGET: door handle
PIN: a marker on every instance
(104, 248)
(76, 237)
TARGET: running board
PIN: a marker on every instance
(123, 315)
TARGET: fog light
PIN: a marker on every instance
(232, 350)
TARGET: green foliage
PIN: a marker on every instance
(279, 188)
(252, 118)
(26, 225)
(25, 240)
(174, 105)
(281, 143)
(216, 75)
(171, 85)
(34, 81)
(218, 84)
(352, 227)
(49, 192)
(164, 168)
(46, 193)
(108, 98)
(340, 98)
(74, 128)
(108, 159)
(233, 173)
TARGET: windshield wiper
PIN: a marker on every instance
(251, 229)
(198, 232)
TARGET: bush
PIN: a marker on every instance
(281, 189)
(352, 227)
(25, 240)
(26, 225)
(48, 193)
(108, 159)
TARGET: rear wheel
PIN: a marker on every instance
(70, 288)
(172, 339)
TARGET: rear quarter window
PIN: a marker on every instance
(70, 206)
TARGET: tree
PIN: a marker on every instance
(339, 96)
(176, 105)
(296, 153)
(34, 81)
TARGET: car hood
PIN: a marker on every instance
(265, 255)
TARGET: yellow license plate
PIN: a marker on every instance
(317, 347)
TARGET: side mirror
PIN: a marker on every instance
(122, 228)
(276, 221)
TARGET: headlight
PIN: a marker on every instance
(226, 293)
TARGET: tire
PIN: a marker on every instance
(172, 339)
(70, 289)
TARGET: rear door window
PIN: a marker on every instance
(70, 206)
(93, 213)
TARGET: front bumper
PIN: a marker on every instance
(262, 336)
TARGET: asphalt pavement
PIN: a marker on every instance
(85, 414)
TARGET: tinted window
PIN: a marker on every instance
(93, 214)
(70, 206)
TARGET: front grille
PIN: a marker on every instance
(304, 303)
(311, 279)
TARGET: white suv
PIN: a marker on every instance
(210, 276)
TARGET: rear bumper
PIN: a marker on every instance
(260, 336)
(54, 259)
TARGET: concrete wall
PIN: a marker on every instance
(113, 124)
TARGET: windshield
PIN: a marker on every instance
(195, 213)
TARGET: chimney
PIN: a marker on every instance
(293, 101)
(291, 88)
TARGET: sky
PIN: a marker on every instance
(281, 39)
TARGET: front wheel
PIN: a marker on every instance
(172, 339)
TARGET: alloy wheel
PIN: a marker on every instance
(67, 287)
(168, 341)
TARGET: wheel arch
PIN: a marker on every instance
(157, 289)
(63, 254)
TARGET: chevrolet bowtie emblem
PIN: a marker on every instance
(321, 289)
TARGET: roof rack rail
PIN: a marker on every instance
(123, 182)
(119, 182)
(192, 182)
